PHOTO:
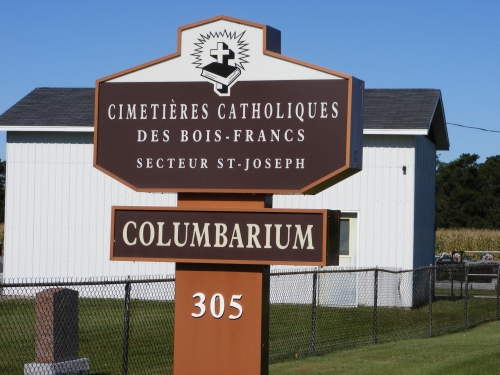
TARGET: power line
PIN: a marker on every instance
(473, 127)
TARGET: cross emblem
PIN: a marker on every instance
(222, 53)
(220, 72)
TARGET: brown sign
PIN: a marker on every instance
(258, 236)
(222, 117)
(227, 113)
(221, 319)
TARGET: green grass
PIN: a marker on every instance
(343, 328)
(474, 351)
(100, 335)
(151, 331)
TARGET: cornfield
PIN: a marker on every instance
(449, 240)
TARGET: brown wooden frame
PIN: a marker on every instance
(327, 258)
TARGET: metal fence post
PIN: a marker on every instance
(431, 280)
(451, 277)
(461, 286)
(498, 292)
(375, 298)
(466, 295)
(126, 326)
(313, 314)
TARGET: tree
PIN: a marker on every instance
(489, 179)
(468, 193)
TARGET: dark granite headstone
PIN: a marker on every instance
(56, 325)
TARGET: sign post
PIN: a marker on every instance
(221, 319)
(226, 122)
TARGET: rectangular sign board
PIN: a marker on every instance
(275, 141)
(222, 319)
(251, 236)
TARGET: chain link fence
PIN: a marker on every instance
(125, 326)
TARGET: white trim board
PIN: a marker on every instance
(87, 129)
(34, 128)
(396, 131)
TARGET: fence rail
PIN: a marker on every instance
(125, 326)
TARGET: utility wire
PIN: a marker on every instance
(473, 127)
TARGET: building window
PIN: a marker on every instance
(345, 237)
(349, 236)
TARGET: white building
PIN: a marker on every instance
(390, 205)
(58, 206)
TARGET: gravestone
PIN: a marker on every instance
(56, 334)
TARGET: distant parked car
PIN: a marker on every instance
(487, 256)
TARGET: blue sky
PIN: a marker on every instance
(449, 45)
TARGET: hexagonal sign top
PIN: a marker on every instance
(227, 113)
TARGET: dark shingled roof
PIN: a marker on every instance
(407, 109)
(384, 109)
(399, 109)
(52, 107)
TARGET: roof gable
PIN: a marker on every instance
(406, 111)
(257, 46)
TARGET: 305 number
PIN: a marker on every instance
(217, 306)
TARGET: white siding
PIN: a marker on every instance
(425, 202)
(58, 207)
(382, 195)
(58, 210)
